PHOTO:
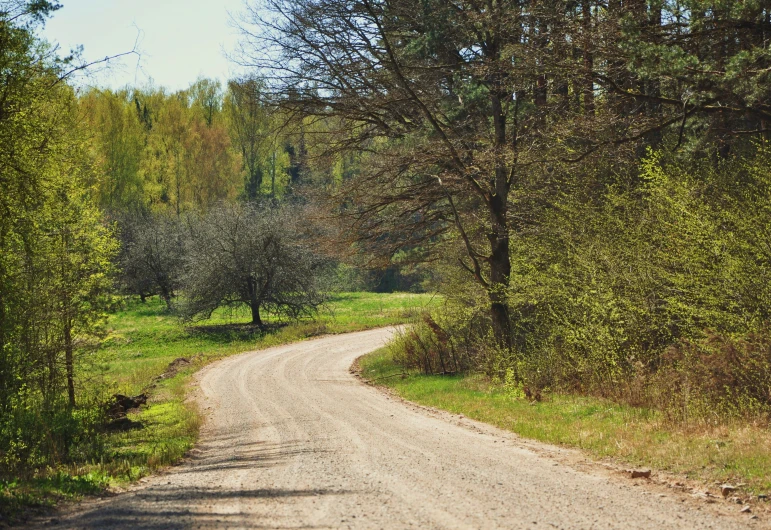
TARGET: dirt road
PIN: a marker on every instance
(293, 440)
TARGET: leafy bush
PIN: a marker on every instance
(427, 347)
(653, 288)
(716, 376)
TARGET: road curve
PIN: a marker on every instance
(293, 440)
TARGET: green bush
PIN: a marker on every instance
(716, 376)
(630, 286)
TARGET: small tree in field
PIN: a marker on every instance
(248, 254)
(152, 255)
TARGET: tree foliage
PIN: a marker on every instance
(55, 249)
(464, 110)
(190, 149)
(591, 168)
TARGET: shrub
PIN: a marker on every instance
(715, 376)
(615, 282)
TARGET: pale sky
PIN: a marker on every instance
(179, 40)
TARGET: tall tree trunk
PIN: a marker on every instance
(178, 186)
(255, 307)
(500, 261)
(500, 271)
(654, 85)
(588, 57)
(273, 174)
(4, 364)
(254, 182)
(254, 302)
(540, 92)
(166, 295)
(69, 361)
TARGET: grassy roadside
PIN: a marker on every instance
(149, 350)
(737, 452)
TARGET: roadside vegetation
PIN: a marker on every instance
(655, 297)
(729, 451)
(588, 181)
(147, 351)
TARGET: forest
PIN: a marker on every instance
(586, 183)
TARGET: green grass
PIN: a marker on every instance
(732, 452)
(142, 340)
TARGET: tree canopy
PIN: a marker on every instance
(55, 249)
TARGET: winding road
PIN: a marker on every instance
(293, 440)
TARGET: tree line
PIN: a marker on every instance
(186, 150)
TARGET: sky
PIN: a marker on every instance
(178, 40)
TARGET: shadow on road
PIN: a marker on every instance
(193, 495)
(168, 509)
(209, 457)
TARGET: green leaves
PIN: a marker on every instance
(55, 254)
(617, 272)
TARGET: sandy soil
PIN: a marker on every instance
(293, 440)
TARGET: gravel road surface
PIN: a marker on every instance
(293, 440)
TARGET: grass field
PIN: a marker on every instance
(738, 452)
(143, 340)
